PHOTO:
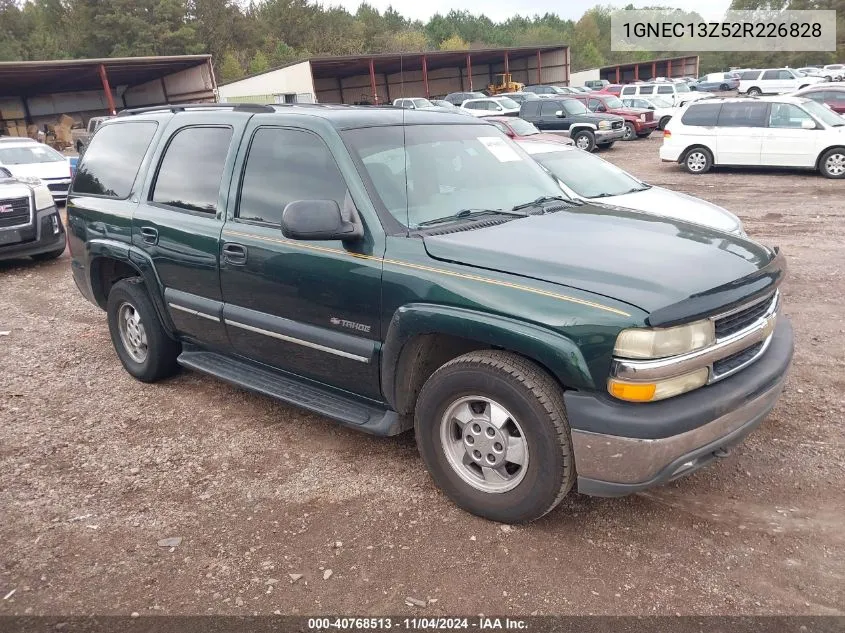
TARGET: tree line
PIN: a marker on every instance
(252, 38)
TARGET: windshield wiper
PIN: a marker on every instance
(543, 199)
(468, 214)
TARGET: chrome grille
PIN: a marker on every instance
(736, 321)
(617, 125)
(14, 212)
(735, 361)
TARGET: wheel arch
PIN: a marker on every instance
(423, 337)
(689, 148)
(826, 150)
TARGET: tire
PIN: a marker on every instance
(158, 360)
(585, 140)
(832, 163)
(532, 428)
(754, 92)
(630, 132)
(605, 146)
(644, 135)
(724, 87)
(46, 257)
(79, 147)
(698, 160)
(664, 121)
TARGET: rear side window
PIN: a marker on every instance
(664, 90)
(749, 114)
(629, 90)
(749, 75)
(704, 114)
(283, 166)
(647, 89)
(549, 108)
(189, 174)
(111, 162)
(530, 108)
(771, 74)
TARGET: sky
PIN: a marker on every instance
(499, 10)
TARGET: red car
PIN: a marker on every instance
(639, 122)
(520, 129)
(614, 89)
(832, 96)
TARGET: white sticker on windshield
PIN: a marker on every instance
(499, 148)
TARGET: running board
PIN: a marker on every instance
(348, 411)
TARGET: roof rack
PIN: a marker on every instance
(236, 107)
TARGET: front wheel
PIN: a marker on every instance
(754, 92)
(724, 87)
(492, 430)
(79, 147)
(832, 163)
(140, 340)
(698, 160)
(630, 132)
(585, 140)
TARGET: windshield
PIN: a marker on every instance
(443, 169)
(573, 106)
(29, 155)
(423, 103)
(558, 90)
(521, 127)
(613, 102)
(507, 102)
(681, 88)
(824, 114)
(587, 175)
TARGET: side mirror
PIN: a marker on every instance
(412, 107)
(559, 114)
(600, 108)
(319, 220)
(807, 124)
(651, 107)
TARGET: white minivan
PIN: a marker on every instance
(772, 81)
(762, 132)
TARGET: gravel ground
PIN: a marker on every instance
(281, 510)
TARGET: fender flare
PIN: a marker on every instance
(576, 126)
(137, 259)
(552, 350)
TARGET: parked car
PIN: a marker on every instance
(678, 93)
(583, 89)
(639, 122)
(491, 106)
(596, 84)
(589, 130)
(716, 82)
(587, 177)
(445, 106)
(30, 225)
(662, 108)
(834, 72)
(830, 94)
(549, 91)
(536, 345)
(414, 103)
(812, 71)
(521, 97)
(457, 98)
(519, 129)
(26, 158)
(82, 135)
(768, 131)
(770, 81)
(614, 89)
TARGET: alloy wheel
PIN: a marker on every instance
(696, 161)
(835, 164)
(133, 335)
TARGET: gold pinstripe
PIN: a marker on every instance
(451, 273)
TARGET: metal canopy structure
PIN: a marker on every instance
(670, 67)
(29, 79)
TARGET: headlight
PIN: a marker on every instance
(642, 118)
(659, 389)
(43, 198)
(604, 125)
(662, 342)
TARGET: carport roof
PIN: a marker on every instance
(70, 75)
(352, 65)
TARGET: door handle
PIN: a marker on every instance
(149, 234)
(234, 253)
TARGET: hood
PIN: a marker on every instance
(670, 204)
(644, 260)
(601, 116)
(547, 138)
(56, 169)
(11, 188)
(630, 111)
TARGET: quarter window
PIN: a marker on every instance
(189, 175)
(744, 114)
(285, 165)
(112, 159)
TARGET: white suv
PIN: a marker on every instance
(491, 106)
(761, 132)
(678, 93)
(774, 81)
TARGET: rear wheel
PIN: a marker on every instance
(724, 87)
(754, 92)
(585, 139)
(832, 163)
(79, 147)
(698, 160)
(139, 339)
(492, 430)
(630, 132)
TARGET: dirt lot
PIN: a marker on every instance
(97, 467)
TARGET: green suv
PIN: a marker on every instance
(397, 269)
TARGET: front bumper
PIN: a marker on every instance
(603, 137)
(621, 448)
(33, 240)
